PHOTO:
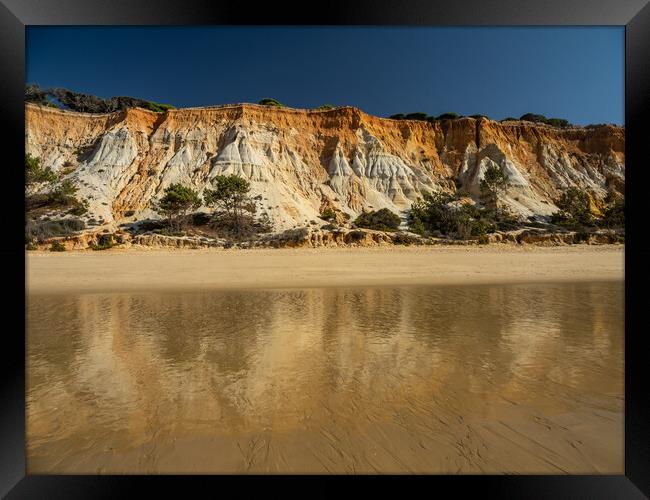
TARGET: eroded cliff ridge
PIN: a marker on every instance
(300, 162)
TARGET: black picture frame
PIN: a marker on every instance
(15, 15)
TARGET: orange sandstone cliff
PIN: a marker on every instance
(302, 161)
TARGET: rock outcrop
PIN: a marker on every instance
(305, 237)
(300, 161)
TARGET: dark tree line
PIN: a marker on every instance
(87, 103)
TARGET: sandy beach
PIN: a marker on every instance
(320, 361)
(155, 269)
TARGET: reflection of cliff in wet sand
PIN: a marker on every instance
(488, 378)
(122, 270)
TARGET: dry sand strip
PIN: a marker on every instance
(146, 269)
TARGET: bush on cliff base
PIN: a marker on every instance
(104, 242)
(328, 214)
(57, 246)
(435, 212)
(43, 230)
(574, 208)
(380, 220)
(614, 215)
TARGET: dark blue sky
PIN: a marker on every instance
(573, 73)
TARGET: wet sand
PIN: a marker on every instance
(154, 269)
(519, 378)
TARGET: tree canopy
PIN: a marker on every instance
(35, 172)
(88, 103)
(556, 122)
(448, 116)
(177, 200)
(574, 205)
(235, 210)
(494, 182)
(229, 194)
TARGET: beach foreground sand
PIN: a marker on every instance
(312, 378)
(155, 269)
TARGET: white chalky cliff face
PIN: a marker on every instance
(300, 162)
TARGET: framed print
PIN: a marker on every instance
(380, 241)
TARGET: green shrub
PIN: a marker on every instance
(234, 214)
(582, 236)
(157, 107)
(200, 219)
(574, 208)
(67, 168)
(176, 202)
(104, 242)
(614, 215)
(325, 107)
(63, 194)
(481, 227)
(57, 246)
(79, 208)
(328, 214)
(413, 116)
(267, 101)
(433, 213)
(150, 225)
(556, 122)
(61, 197)
(31, 246)
(35, 172)
(436, 213)
(510, 119)
(416, 116)
(470, 222)
(477, 116)
(532, 117)
(243, 227)
(380, 220)
(448, 116)
(416, 226)
(43, 230)
(493, 183)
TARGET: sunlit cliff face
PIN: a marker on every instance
(300, 162)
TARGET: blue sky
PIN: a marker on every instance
(575, 73)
